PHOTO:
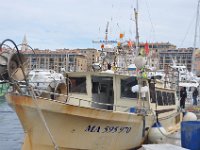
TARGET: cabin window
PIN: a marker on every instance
(159, 97)
(165, 98)
(169, 98)
(173, 99)
(77, 84)
(102, 84)
(152, 92)
(126, 86)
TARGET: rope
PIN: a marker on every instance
(31, 92)
(43, 119)
(160, 129)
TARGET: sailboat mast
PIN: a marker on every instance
(195, 37)
(137, 32)
(106, 32)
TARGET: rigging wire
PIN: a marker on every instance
(43, 118)
(165, 135)
(187, 31)
(195, 36)
(198, 36)
(131, 29)
(118, 14)
(149, 15)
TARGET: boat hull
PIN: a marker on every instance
(74, 127)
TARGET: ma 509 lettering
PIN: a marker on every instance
(108, 129)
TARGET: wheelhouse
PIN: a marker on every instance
(114, 92)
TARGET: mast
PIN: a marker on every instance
(195, 38)
(136, 26)
(106, 32)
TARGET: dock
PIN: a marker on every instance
(161, 147)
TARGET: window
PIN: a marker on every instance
(77, 84)
(159, 97)
(101, 84)
(165, 97)
(169, 97)
(126, 86)
(173, 99)
(152, 92)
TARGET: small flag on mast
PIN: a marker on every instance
(146, 47)
(130, 44)
(121, 35)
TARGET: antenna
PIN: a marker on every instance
(136, 26)
(195, 37)
(105, 41)
(106, 31)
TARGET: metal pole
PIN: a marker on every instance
(195, 37)
(137, 33)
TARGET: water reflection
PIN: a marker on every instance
(11, 133)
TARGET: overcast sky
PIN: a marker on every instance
(53, 24)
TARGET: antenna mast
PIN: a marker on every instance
(195, 38)
(136, 25)
(106, 32)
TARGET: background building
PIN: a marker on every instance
(160, 55)
(181, 56)
(197, 62)
(57, 60)
(154, 50)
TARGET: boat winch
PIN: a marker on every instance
(48, 84)
(12, 65)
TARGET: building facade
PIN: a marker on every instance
(154, 50)
(181, 56)
(57, 60)
(91, 54)
(197, 62)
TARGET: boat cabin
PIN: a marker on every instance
(118, 92)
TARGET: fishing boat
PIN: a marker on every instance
(91, 110)
(103, 109)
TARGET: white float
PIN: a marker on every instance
(189, 116)
(157, 134)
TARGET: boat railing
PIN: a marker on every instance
(68, 99)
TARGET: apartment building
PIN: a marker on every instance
(181, 56)
(153, 57)
(91, 54)
(56, 60)
(197, 62)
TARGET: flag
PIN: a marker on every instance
(118, 43)
(121, 35)
(102, 46)
(146, 47)
(130, 44)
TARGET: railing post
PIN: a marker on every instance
(79, 102)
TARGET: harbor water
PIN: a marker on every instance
(11, 133)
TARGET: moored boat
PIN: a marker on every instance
(91, 110)
(100, 112)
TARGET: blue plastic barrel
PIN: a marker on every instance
(190, 135)
(132, 109)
